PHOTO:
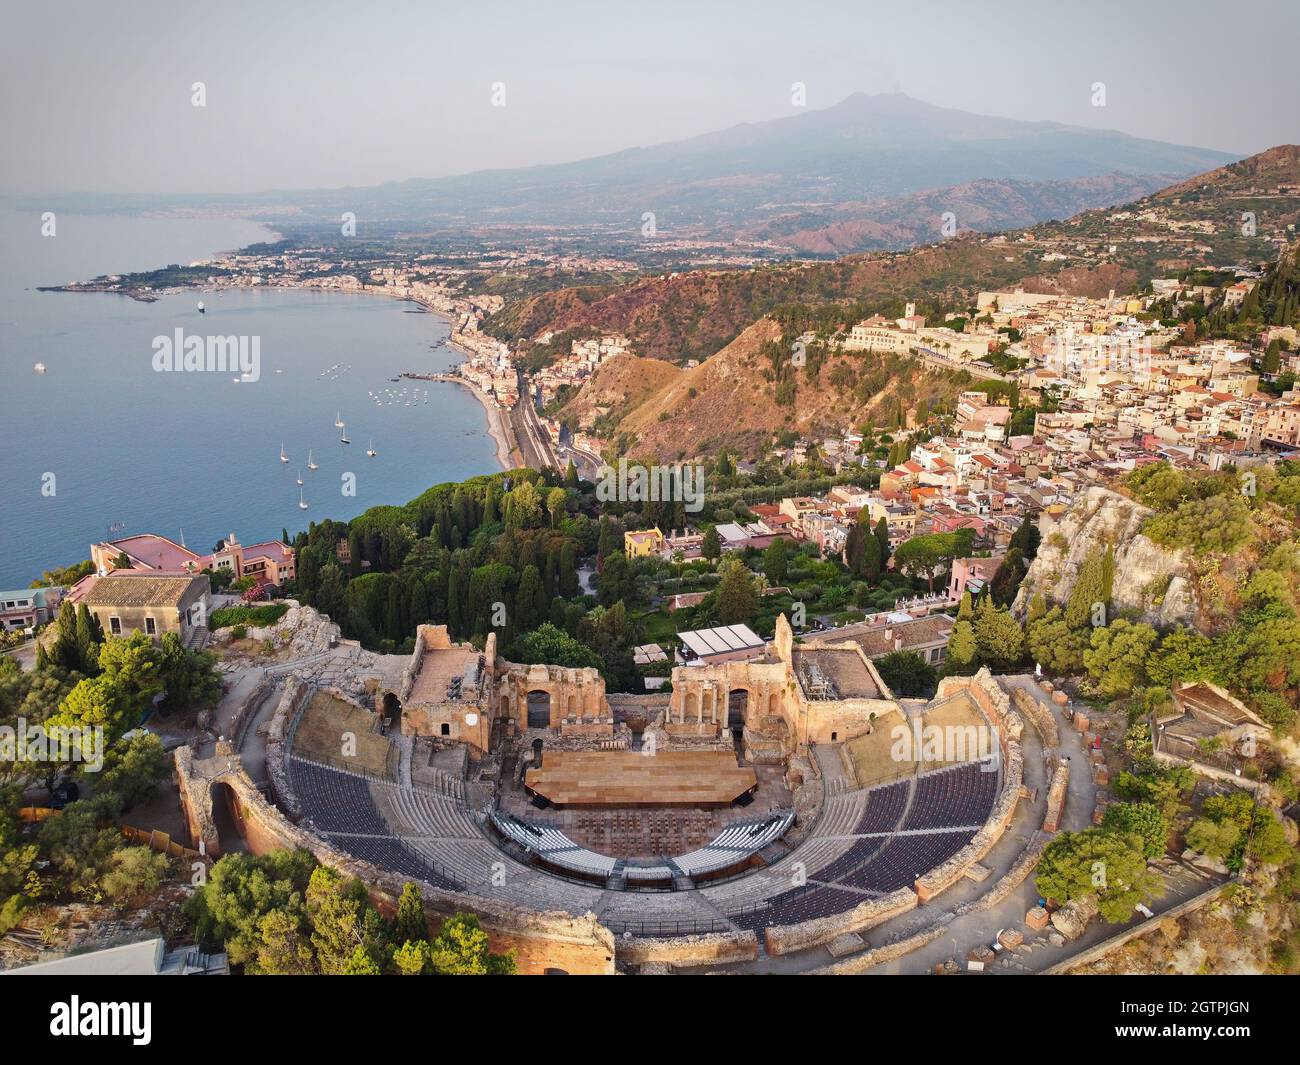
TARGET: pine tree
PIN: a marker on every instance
(737, 595)
(882, 538)
(711, 548)
(966, 611)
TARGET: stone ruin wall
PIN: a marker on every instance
(1038, 715)
(713, 948)
(279, 740)
(785, 939)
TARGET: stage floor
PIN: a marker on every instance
(629, 778)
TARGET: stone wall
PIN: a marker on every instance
(1039, 715)
(785, 939)
(714, 948)
(869, 959)
(279, 740)
(1056, 795)
(247, 710)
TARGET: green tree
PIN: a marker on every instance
(998, 638)
(408, 922)
(553, 646)
(1141, 820)
(711, 546)
(1055, 644)
(963, 655)
(1117, 654)
(412, 957)
(907, 674)
(1096, 862)
(133, 872)
(133, 769)
(736, 600)
(776, 561)
(461, 948)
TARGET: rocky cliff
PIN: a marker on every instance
(1149, 579)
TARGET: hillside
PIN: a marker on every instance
(694, 314)
(1194, 225)
(731, 402)
(986, 205)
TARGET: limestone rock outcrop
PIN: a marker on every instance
(1149, 580)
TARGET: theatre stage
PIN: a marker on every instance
(629, 778)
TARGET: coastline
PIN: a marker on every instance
(497, 428)
(495, 423)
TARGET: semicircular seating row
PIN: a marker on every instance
(861, 849)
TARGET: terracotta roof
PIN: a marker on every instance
(125, 588)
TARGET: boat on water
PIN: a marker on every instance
(300, 477)
(283, 456)
(371, 449)
(343, 436)
(311, 463)
(39, 367)
(202, 309)
(338, 420)
(302, 503)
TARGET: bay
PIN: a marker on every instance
(102, 441)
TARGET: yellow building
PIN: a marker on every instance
(643, 543)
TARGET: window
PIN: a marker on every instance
(446, 729)
(149, 627)
(115, 626)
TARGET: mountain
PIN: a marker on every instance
(869, 172)
(863, 148)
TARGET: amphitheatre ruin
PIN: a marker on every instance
(781, 807)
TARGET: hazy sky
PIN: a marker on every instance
(97, 96)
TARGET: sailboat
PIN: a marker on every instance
(302, 503)
(338, 419)
(300, 477)
(283, 456)
(343, 436)
(371, 449)
(201, 310)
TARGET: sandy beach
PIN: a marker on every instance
(497, 428)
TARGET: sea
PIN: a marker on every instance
(103, 444)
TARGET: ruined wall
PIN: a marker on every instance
(279, 739)
(1057, 793)
(577, 697)
(714, 948)
(1039, 715)
(785, 939)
